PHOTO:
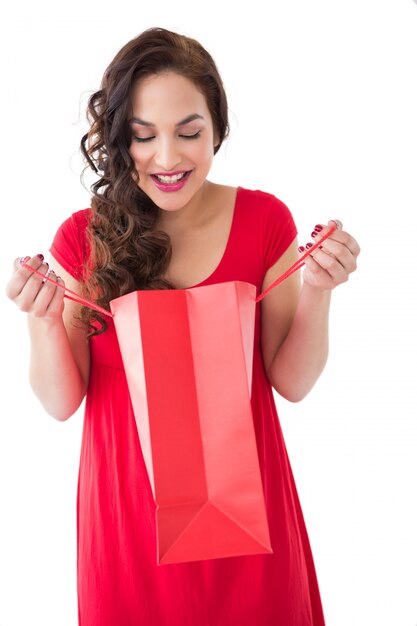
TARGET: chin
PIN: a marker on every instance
(171, 200)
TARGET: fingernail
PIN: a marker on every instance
(314, 234)
(24, 259)
(40, 256)
(301, 249)
(318, 228)
(309, 245)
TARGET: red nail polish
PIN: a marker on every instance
(301, 249)
(314, 234)
(318, 228)
(40, 256)
(309, 245)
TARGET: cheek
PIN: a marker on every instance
(204, 152)
(139, 156)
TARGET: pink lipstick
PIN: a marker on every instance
(172, 181)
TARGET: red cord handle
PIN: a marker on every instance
(72, 295)
(297, 265)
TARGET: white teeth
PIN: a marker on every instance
(170, 179)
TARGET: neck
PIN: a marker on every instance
(189, 216)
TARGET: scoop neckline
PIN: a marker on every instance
(226, 249)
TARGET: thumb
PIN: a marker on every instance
(338, 224)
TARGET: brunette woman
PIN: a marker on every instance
(157, 222)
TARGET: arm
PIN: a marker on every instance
(295, 317)
(59, 360)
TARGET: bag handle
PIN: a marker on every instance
(72, 295)
(297, 265)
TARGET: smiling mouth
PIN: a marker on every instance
(170, 180)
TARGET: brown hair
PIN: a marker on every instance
(126, 252)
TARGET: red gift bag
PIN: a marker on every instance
(188, 361)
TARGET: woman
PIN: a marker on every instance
(157, 222)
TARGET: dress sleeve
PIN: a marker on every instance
(279, 230)
(70, 245)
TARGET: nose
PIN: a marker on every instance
(167, 157)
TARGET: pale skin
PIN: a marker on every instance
(172, 131)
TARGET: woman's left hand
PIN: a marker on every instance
(330, 265)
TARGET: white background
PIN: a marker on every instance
(323, 102)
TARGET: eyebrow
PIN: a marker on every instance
(186, 120)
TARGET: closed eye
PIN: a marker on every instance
(144, 139)
(195, 136)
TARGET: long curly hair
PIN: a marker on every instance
(127, 253)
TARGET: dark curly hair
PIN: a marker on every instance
(127, 253)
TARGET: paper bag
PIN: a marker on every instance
(188, 360)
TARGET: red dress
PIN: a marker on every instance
(119, 581)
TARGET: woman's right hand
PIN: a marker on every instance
(32, 294)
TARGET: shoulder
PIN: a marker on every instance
(76, 224)
(269, 220)
(73, 231)
(262, 202)
(78, 221)
(70, 245)
(266, 211)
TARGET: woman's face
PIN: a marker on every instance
(172, 139)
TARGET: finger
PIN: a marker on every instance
(337, 223)
(17, 280)
(329, 264)
(322, 229)
(20, 263)
(316, 275)
(49, 298)
(344, 238)
(17, 263)
(34, 283)
(23, 279)
(338, 235)
(56, 305)
(338, 251)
